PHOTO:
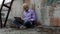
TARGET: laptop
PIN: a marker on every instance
(18, 19)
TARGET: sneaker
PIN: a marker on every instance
(22, 27)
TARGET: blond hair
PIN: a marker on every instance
(25, 4)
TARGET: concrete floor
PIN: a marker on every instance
(14, 31)
(19, 31)
(9, 30)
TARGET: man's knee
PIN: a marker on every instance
(27, 24)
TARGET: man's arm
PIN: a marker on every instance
(33, 16)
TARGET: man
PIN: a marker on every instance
(28, 17)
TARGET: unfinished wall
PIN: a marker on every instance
(37, 8)
(16, 9)
(55, 21)
(42, 11)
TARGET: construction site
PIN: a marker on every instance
(47, 14)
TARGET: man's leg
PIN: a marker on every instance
(33, 23)
(28, 24)
(16, 23)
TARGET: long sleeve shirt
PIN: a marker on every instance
(29, 15)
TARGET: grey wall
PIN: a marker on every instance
(38, 13)
(42, 12)
(16, 9)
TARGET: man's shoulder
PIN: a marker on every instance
(31, 10)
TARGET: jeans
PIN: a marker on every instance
(18, 24)
(15, 22)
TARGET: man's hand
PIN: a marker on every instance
(31, 19)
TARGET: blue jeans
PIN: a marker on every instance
(15, 22)
(18, 24)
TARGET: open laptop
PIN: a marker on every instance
(18, 19)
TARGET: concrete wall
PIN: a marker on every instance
(37, 8)
(16, 9)
(42, 12)
(56, 14)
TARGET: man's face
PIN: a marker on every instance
(26, 8)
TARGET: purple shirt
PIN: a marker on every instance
(29, 16)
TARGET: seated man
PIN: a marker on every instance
(28, 17)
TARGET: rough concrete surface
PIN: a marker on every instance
(14, 31)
